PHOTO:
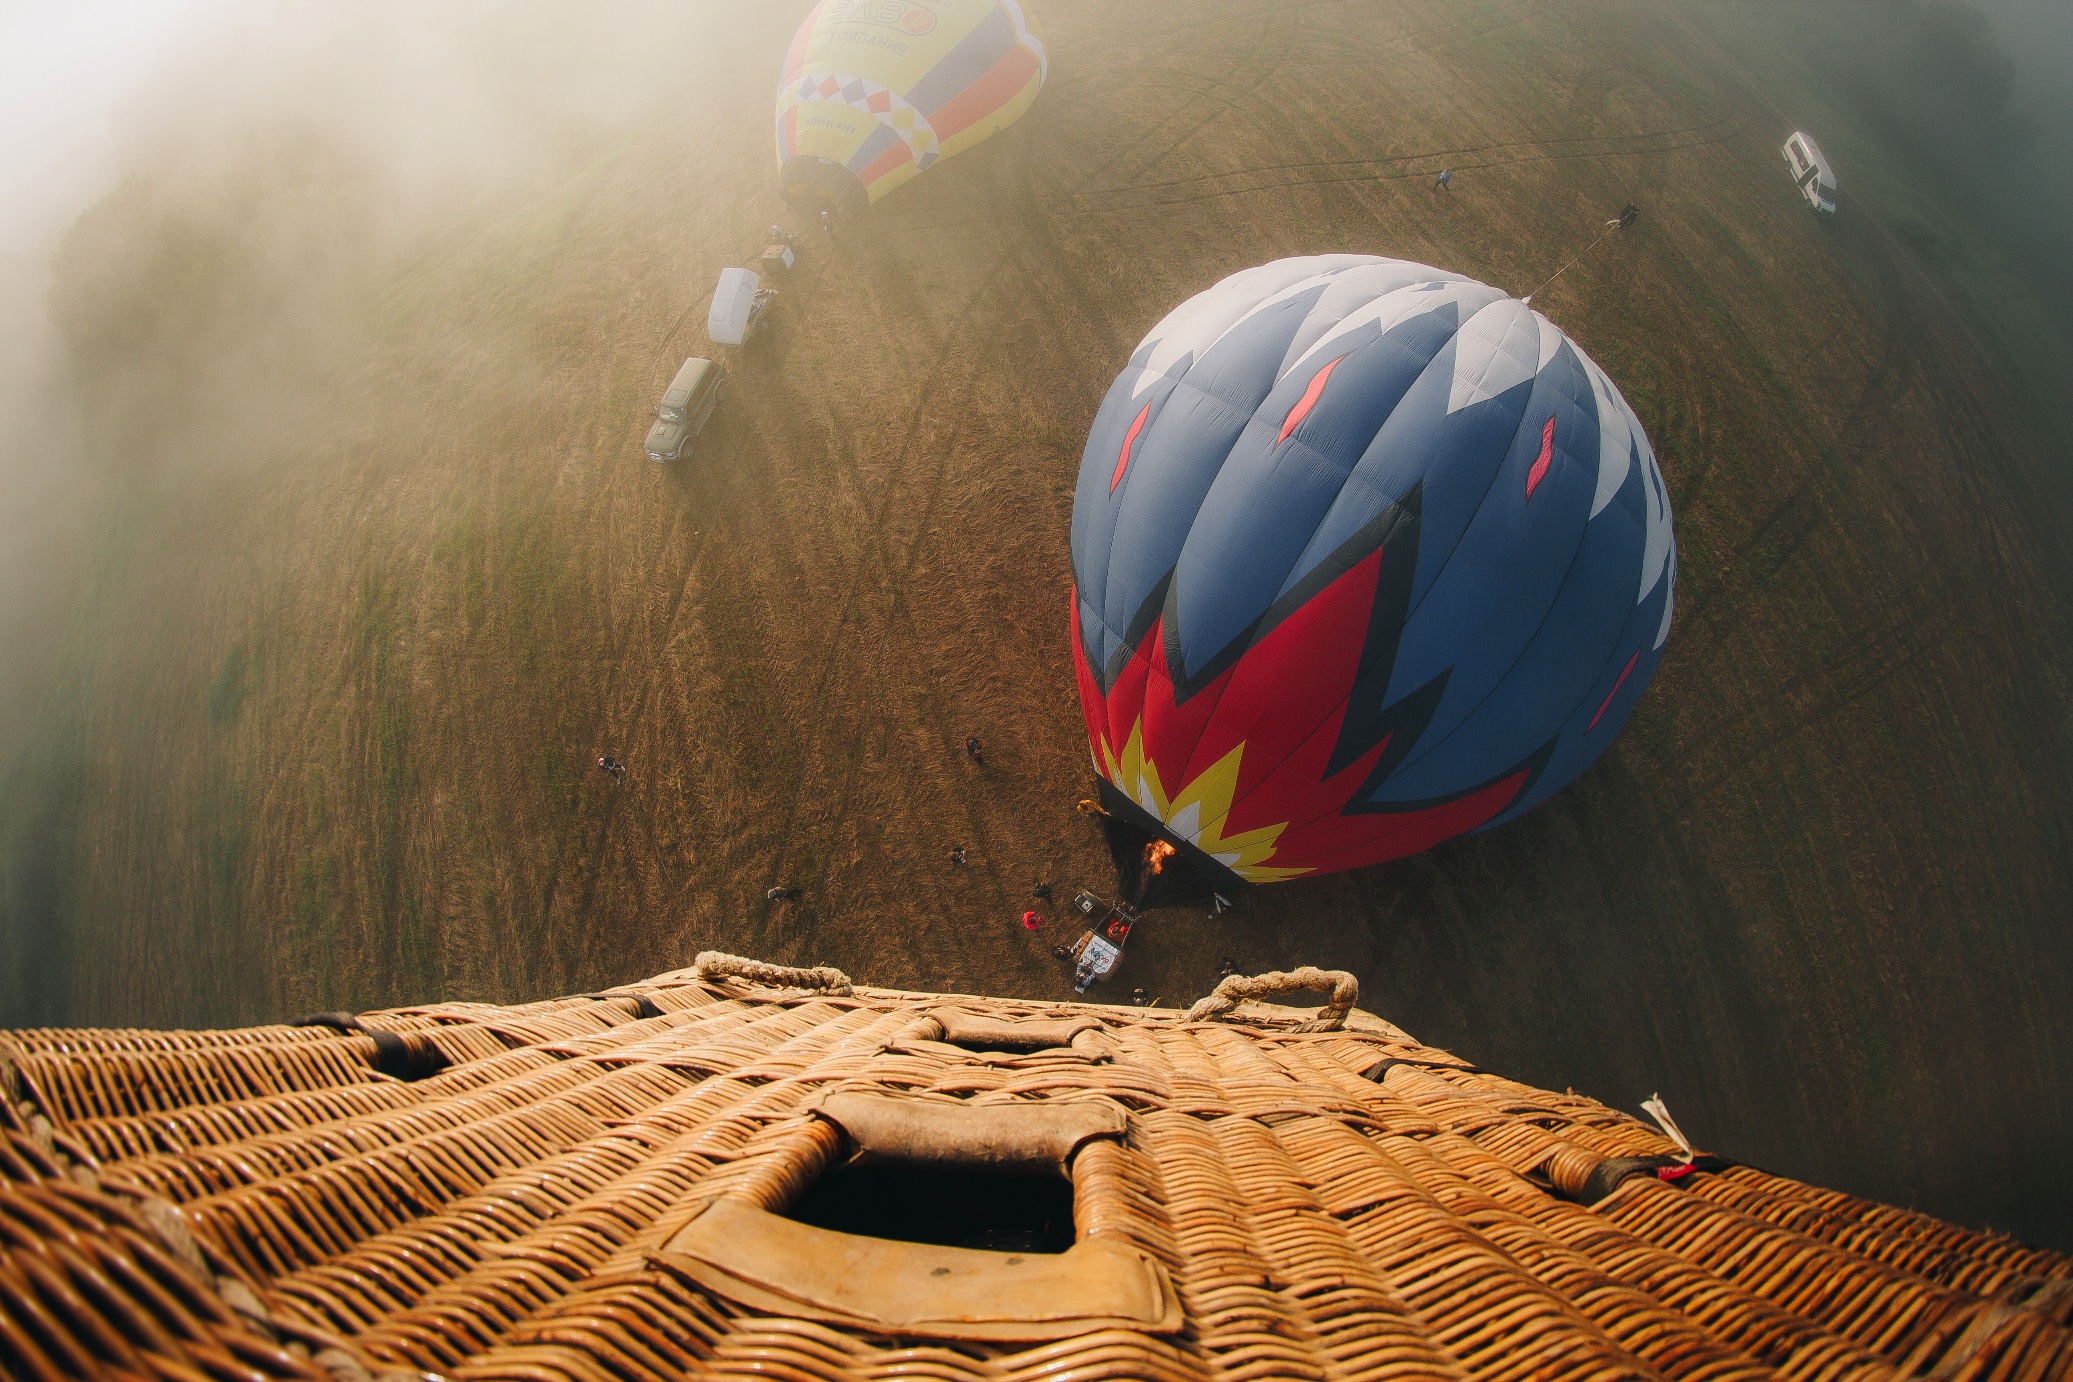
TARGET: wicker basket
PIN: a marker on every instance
(608, 1187)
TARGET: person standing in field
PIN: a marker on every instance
(1446, 177)
(1031, 921)
(613, 766)
(975, 749)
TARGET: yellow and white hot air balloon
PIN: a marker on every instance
(875, 91)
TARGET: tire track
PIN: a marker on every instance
(653, 634)
(629, 722)
(872, 554)
(1223, 194)
(1868, 661)
(1414, 157)
(1253, 59)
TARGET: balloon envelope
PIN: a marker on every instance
(1366, 555)
(874, 92)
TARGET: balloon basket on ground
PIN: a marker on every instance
(813, 185)
(1095, 955)
(1153, 867)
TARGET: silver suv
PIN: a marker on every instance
(686, 404)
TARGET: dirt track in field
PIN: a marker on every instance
(344, 704)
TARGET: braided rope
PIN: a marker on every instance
(1236, 988)
(712, 964)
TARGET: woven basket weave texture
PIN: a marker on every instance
(268, 1203)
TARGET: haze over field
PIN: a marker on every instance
(260, 167)
(259, 174)
(1974, 101)
(328, 559)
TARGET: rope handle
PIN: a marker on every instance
(1343, 988)
(712, 964)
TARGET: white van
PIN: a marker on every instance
(1811, 172)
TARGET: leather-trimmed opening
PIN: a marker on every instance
(946, 1208)
(1614, 1171)
(643, 1006)
(991, 1176)
(1001, 1041)
(976, 1032)
(1379, 1071)
(1037, 1138)
(1577, 1174)
(939, 1219)
(404, 1057)
(771, 1265)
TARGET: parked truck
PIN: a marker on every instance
(686, 406)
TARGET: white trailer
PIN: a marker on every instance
(739, 303)
(1810, 172)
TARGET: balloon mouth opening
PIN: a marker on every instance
(1155, 868)
(813, 184)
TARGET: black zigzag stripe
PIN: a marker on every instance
(1394, 529)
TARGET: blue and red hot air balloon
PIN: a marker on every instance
(1366, 555)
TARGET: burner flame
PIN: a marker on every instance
(1155, 856)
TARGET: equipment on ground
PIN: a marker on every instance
(740, 306)
(1810, 172)
(874, 92)
(699, 386)
(1366, 555)
(776, 258)
(1099, 949)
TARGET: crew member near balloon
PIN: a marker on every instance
(1366, 556)
(876, 92)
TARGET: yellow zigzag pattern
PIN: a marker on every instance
(1199, 810)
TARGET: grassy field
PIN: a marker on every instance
(327, 717)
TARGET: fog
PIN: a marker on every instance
(152, 254)
(1977, 96)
